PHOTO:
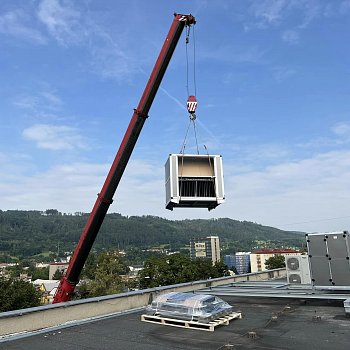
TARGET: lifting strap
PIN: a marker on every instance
(192, 100)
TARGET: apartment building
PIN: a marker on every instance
(208, 247)
(259, 257)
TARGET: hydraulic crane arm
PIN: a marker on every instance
(104, 199)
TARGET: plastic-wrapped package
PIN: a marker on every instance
(189, 306)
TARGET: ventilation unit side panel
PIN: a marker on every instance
(168, 189)
(174, 173)
(340, 269)
(347, 240)
(219, 180)
(337, 248)
(320, 271)
(317, 245)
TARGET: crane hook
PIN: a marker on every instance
(192, 105)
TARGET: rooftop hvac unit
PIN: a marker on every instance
(329, 255)
(298, 271)
(194, 181)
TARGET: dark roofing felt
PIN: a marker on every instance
(278, 324)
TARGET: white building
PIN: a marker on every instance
(259, 257)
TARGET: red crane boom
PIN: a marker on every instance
(104, 199)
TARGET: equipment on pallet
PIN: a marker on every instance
(104, 199)
(210, 326)
(201, 308)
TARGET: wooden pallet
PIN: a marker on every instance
(210, 327)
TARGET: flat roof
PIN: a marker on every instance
(277, 323)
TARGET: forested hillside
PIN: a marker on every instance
(26, 233)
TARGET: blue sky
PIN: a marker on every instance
(273, 92)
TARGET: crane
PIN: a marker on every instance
(104, 199)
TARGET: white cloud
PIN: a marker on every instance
(310, 194)
(342, 130)
(26, 102)
(265, 153)
(55, 137)
(139, 193)
(68, 187)
(310, 10)
(270, 11)
(51, 98)
(45, 100)
(290, 37)
(344, 7)
(109, 56)
(12, 166)
(232, 54)
(312, 189)
(275, 12)
(283, 73)
(340, 137)
(14, 23)
(61, 20)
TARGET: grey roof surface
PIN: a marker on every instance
(295, 327)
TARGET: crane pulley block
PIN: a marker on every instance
(191, 104)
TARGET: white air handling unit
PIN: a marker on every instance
(194, 181)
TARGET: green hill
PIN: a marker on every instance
(26, 233)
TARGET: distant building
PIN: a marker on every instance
(53, 267)
(208, 247)
(259, 257)
(47, 288)
(4, 269)
(230, 261)
(25, 277)
(41, 265)
(240, 261)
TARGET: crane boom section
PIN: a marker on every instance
(104, 199)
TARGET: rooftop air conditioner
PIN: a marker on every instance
(298, 271)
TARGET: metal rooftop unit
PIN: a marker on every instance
(194, 181)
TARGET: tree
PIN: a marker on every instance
(107, 276)
(275, 262)
(89, 270)
(52, 212)
(40, 273)
(17, 294)
(57, 275)
(178, 268)
(221, 269)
